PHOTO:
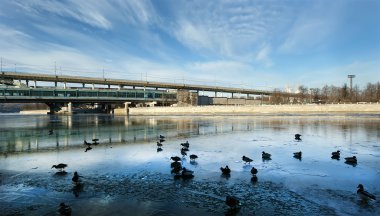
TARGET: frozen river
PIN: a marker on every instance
(125, 174)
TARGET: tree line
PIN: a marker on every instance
(328, 94)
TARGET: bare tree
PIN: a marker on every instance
(302, 93)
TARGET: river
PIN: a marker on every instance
(125, 174)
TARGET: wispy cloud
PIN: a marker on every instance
(311, 28)
(263, 56)
(243, 41)
(99, 14)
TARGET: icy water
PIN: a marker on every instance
(125, 174)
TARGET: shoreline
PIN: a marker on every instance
(309, 109)
(299, 110)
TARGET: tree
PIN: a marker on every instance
(302, 93)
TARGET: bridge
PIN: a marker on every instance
(18, 90)
(35, 77)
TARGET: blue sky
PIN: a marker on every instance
(251, 44)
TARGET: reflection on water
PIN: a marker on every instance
(37, 133)
(127, 162)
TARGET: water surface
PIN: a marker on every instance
(125, 173)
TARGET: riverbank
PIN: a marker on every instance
(305, 109)
(256, 109)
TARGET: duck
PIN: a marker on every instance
(75, 178)
(162, 137)
(51, 132)
(266, 155)
(95, 141)
(175, 158)
(86, 143)
(186, 144)
(254, 171)
(226, 170)
(247, 160)
(232, 202)
(187, 173)
(60, 167)
(159, 149)
(159, 144)
(352, 160)
(364, 195)
(297, 137)
(176, 167)
(176, 164)
(64, 209)
(335, 154)
(297, 155)
(193, 157)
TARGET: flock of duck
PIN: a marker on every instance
(232, 201)
(184, 173)
(64, 209)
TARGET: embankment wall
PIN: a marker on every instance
(254, 109)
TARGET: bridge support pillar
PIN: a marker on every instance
(52, 110)
(70, 108)
(216, 94)
(93, 86)
(27, 82)
(120, 87)
(83, 85)
(232, 95)
(126, 108)
(55, 83)
(64, 85)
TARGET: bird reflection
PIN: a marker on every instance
(77, 189)
(232, 212)
(266, 159)
(351, 163)
(254, 179)
(226, 176)
(60, 173)
(234, 204)
(64, 209)
(88, 149)
(193, 162)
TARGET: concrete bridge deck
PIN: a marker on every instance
(121, 82)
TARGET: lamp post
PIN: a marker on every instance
(350, 78)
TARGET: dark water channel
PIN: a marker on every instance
(125, 174)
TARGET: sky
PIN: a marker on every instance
(236, 43)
